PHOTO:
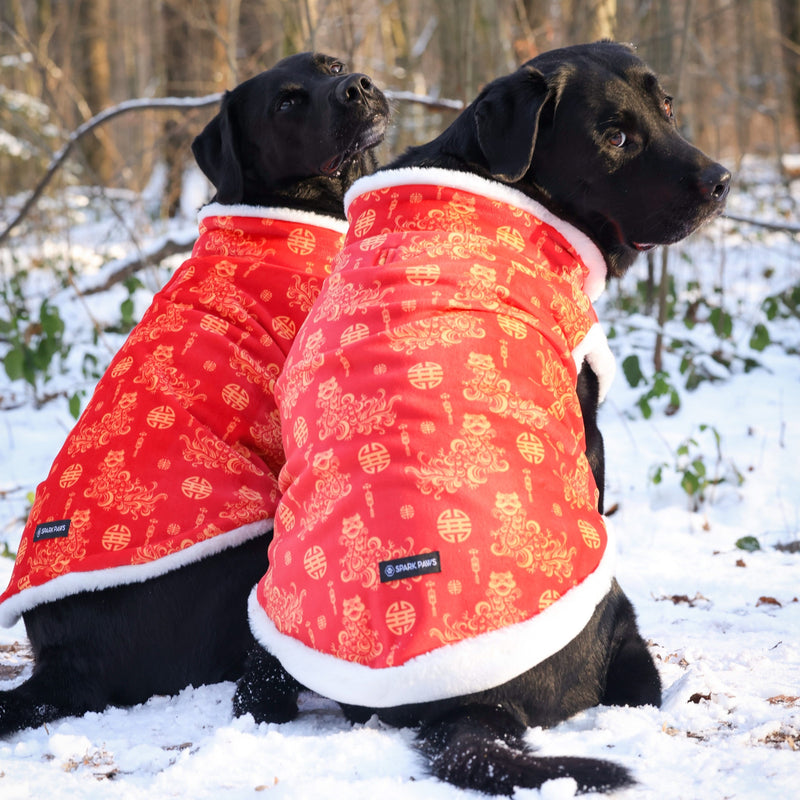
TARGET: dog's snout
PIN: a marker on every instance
(714, 183)
(354, 88)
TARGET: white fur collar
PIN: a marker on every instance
(267, 212)
(433, 176)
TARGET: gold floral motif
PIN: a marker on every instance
(343, 416)
(572, 308)
(152, 550)
(497, 611)
(357, 642)
(302, 293)
(254, 370)
(151, 329)
(343, 299)
(579, 491)
(157, 373)
(448, 246)
(267, 438)
(445, 330)
(489, 386)
(468, 462)
(300, 375)
(210, 452)
(116, 422)
(285, 606)
(249, 505)
(364, 552)
(523, 540)
(479, 288)
(219, 292)
(115, 488)
(330, 486)
(556, 379)
(458, 214)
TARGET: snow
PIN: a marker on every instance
(723, 622)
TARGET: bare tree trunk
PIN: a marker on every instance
(663, 289)
(199, 58)
(789, 21)
(589, 20)
(95, 78)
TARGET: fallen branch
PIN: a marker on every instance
(125, 267)
(168, 103)
(88, 126)
(770, 226)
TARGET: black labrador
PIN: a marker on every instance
(294, 136)
(588, 132)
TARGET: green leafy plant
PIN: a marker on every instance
(35, 339)
(660, 387)
(697, 469)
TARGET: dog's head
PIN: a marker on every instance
(298, 134)
(589, 132)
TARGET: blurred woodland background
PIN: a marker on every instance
(732, 65)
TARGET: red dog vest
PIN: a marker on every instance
(438, 532)
(178, 452)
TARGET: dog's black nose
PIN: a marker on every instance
(714, 183)
(353, 88)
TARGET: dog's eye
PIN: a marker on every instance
(668, 107)
(288, 100)
(617, 139)
(337, 67)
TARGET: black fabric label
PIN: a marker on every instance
(409, 567)
(51, 530)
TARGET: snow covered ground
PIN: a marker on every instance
(724, 622)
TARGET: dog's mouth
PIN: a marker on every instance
(365, 139)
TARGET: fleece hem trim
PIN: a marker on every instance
(470, 665)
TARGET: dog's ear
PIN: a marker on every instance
(507, 119)
(217, 155)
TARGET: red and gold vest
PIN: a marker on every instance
(178, 452)
(438, 532)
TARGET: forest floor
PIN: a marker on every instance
(702, 482)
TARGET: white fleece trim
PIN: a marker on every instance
(434, 176)
(75, 582)
(594, 349)
(268, 212)
(471, 665)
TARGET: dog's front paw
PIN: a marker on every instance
(266, 690)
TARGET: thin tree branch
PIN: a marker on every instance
(770, 226)
(146, 104)
(88, 126)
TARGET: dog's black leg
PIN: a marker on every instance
(482, 748)
(632, 678)
(57, 688)
(588, 393)
(266, 690)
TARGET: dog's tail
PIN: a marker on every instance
(482, 748)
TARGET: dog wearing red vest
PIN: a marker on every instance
(440, 557)
(153, 525)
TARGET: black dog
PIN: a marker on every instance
(296, 135)
(293, 137)
(588, 133)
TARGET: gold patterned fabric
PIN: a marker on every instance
(178, 452)
(436, 487)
